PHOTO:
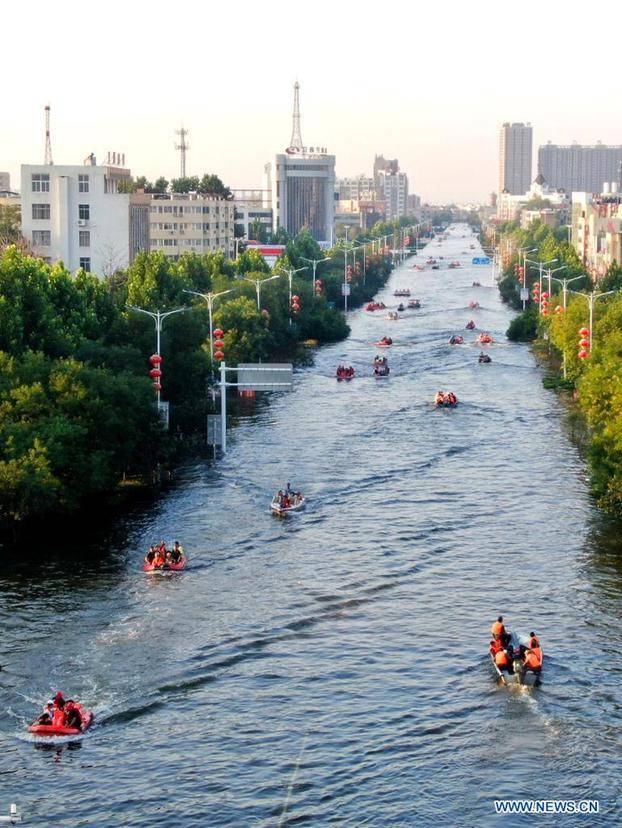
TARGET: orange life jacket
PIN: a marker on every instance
(496, 646)
(497, 629)
(159, 559)
(501, 658)
(533, 658)
(533, 643)
(58, 719)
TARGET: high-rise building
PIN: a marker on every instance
(515, 147)
(579, 167)
(5, 182)
(394, 192)
(302, 183)
(77, 215)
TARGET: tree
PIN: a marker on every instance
(160, 185)
(212, 185)
(185, 185)
(257, 231)
(10, 225)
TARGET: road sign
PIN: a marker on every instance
(214, 430)
(345, 290)
(524, 294)
(264, 376)
(164, 413)
(480, 260)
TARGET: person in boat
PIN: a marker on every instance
(439, 398)
(502, 660)
(159, 559)
(73, 717)
(498, 628)
(533, 640)
(177, 552)
(58, 719)
(48, 714)
(150, 555)
(451, 398)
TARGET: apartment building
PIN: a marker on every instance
(597, 229)
(515, 148)
(190, 222)
(580, 167)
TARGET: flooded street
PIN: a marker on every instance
(332, 667)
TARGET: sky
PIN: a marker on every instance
(427, 84)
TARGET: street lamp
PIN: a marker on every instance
(158, 317)
(564, 283)
(290, 275)
(315, 263)
(540, 268)
(591, 299)
(524, 251)
(550, 276)
(258, 283)
(209, 298)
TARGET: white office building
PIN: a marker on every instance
(75, 214)
(303, 191)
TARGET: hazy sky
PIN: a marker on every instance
(429, 84)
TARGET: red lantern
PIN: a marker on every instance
(157, 386)
(295, 298)
(584, 331)
(295, 307)
(219, 356)
(584, 343)
(559, 309)
(219, 344)
(155, 373)
(545, 295)
(583, 354)
(265, 313)
(218, 333)
(155, 359)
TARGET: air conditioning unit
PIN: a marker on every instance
(82, 222)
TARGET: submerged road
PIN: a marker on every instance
(332, 668)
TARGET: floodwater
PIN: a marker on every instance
(331, 668)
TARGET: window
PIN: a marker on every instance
(41, 238)
(85, 263)
(84, 212)
(83, 183)
(40, 183)
(40, 211)
(84, 238)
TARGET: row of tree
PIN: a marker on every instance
(208, 184)
(77, 411)
(595, 378)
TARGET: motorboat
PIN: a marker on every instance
(381, 367)
(484, 339)
(385, 342)
(453, 265)
(456, 339)
(392, 316)
(445, 400)
(401, 292)
(414, 304)
(520, 674)
(296, 503)
(477, 284)
(470, 325)
(484, 359)
(473, 305)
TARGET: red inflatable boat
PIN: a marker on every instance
(50, 730)
(168, 567)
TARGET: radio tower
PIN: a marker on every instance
(48, 143)
(182, 147)
(296, 137)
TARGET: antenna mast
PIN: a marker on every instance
(48, 143)
(296, 137)
(182, 147)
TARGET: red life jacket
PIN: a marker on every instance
(501, 659)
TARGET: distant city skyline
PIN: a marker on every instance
(440, 117)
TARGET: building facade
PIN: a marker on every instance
(579, 167)
(190, 222)
(510, 207)
(597, 230)
(5, 182)
(302, 186)
(393, 188)
(76, 214)
(515, 150)
(359, 188)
